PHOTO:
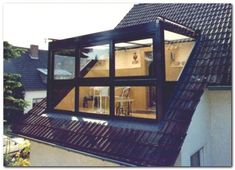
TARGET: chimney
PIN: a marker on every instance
(33, 53)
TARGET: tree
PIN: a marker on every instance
(13, 89)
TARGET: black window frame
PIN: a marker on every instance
(52, 82)
(154, 30)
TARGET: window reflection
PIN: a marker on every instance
(64, 64)
(94, 61)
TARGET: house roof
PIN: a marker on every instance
(209, 63)
(27, 68)
(213, 20)
(127, 142)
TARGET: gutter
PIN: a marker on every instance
(211, 87)
(80, 152)
(33, 90)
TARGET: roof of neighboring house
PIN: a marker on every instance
(27, 68)
(209, 63)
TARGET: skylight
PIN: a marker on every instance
(171, 36)
(135, 43)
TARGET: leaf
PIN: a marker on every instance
(11, 51)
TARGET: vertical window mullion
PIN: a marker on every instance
(158, 53)
(50, 75)
(111, 77)
(77, 70)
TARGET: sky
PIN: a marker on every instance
(34, 23)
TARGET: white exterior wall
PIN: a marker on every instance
(46, 155)
(210, 128)
(220, 128)
(30, 95)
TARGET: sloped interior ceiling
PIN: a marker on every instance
(68, 102)
(62, 96)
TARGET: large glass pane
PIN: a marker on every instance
(132, 58)
(177, 51)
(94, 61)
(135, 101)
(64, 64)
(63, 97)
(94, 99)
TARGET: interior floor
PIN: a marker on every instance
(148, 114)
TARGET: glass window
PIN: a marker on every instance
(64, 64)
(196, 159)
(135, 101)
(177, 51)
(94, 99)
(63, 97)
(36, 100)
(94, 61)
(133, 58)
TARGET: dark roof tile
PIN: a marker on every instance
(27, 68)
(214, 21)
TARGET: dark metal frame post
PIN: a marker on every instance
(112, 75)
(50, 75)
(77, 70)
(160, 66)
(48, 78)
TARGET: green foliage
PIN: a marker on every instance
(21, 162)
(12, 93)
(13, 90)
(11, 51)
(21, 158)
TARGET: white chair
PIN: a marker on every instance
(124, 98)
(100, 92)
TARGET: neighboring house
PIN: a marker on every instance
(174, 108)
(209, 137)
(30, 65)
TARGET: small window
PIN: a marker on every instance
(196, 159)
(36, 100)
(94, 61)
(133, 58)
(64, 64)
